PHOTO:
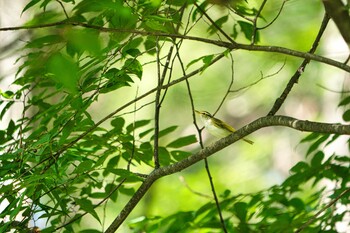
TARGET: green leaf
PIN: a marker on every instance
(44, 41)
(144, 133)
(118, 124)
(219, 22)
(247, 29)
(133, 66)
(64, 70)
(4, 109)
(126, 191)
(316, 144)
(345, 101)
(84, 166)
(7, 94)
(29, 5)
(164, 156)
(298, 204)
(179, 155)
(184, 141)
(165, 131)
(300, 167)
(155, 25)
(3, 138)
(150, 45)
(205, 59)
(84, 40)
(131, 127)
(87, 206)
(241, 211)
(346, 115)
(316, 160)
(132, 45)
(11, 128)
(310, 137)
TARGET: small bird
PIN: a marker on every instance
(217, 127)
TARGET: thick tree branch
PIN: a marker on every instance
(237, 46)
(268, 121)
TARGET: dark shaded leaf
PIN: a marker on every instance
(118, 124)
(29, 5)
(165, 131)
(346, 115)
(345, 101)
(218, 23)
(84, 166)
(183, 141)
(87, 206)
(241, 211)
(316, 160)
(136, 125)
(179, 155)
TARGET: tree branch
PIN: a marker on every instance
(237, 46)
(267, 121)
(295, 78)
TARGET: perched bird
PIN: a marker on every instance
(217, 127)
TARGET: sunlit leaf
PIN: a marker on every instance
(64, 71)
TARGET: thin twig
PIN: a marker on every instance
(217, 203)
(274, 19)
(260, 79)
(157, 107)
(133, 135)
(64, 9)
(216, 199)
(214, 24)
(255, 21)
(295, 78)
(311, 220)
(182, 179)
(229, 85)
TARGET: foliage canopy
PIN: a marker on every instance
(61, 164)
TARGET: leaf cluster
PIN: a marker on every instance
(59, 164)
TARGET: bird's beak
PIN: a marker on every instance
(198, 112)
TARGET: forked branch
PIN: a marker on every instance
(263, 122)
